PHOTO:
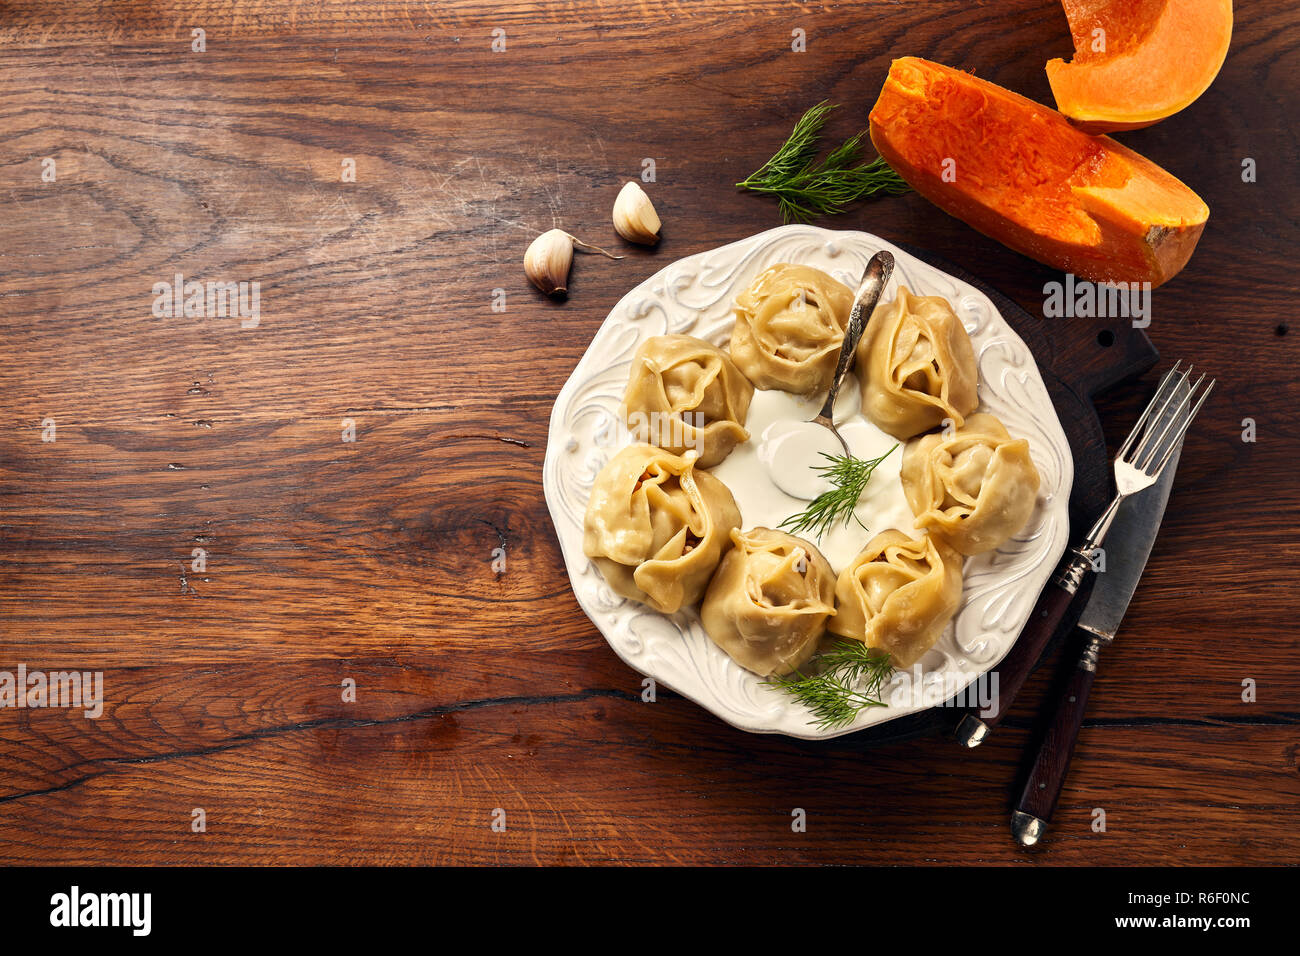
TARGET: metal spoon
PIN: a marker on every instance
(874, 280)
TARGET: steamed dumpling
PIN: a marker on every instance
(916, 366)
(898, 595)
(684, 393)
(975, 487)
(768, 603)
(657, 527)
(789, 327)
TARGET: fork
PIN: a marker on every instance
(874, 279)
(1138, 464)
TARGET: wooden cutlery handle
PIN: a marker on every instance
(1015, 667)
(1043, 788)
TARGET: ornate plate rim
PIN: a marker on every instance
(1052, 514)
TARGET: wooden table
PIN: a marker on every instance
(327, 561)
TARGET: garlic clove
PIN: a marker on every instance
(635, 218)
(547, 261)
(549, 257)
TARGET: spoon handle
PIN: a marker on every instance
(873, 284)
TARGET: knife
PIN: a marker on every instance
(1127, 547)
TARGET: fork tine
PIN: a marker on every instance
(1159, 408)
(1183, 430)
(1149, 451)
(1122, 454)
(1145, 414)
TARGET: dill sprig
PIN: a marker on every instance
(806, 189)
(848, 477)
(849, 679)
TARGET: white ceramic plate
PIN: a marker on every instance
(694, 296)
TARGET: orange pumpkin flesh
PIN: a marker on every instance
(1024, 176)
(1151, 59)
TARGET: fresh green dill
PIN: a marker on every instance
(848, 477)
(805, 188)
(849, 679)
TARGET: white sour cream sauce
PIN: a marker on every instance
(772, 476)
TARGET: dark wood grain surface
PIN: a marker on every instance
(371, 560)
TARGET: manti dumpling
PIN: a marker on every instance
(656, 526)
(976, 486)
(684, 393)
(898, 594)
(789, 327)
(768, 603)
(916, 366)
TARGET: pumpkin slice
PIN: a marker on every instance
(1020, 173)
(1138, 61)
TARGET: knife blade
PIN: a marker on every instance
(1128, 545)
(1127, 548)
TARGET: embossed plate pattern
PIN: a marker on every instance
(694, 296)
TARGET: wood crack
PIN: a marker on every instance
(339, 723)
